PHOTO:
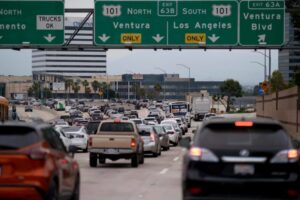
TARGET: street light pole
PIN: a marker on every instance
(265, 62)
(164, 71)
(265, 68)
(189, 69)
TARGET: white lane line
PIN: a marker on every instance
(164, 171)
(175, 159)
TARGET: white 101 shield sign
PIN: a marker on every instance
(111, 10)
(221, 10)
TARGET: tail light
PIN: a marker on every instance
(133, 143)
(293, 193)
(90, 141)
(170, 132)
(152, 136)
(38, 154)
(243, 123)
(202, 154)
(195, 190)
(286, 156)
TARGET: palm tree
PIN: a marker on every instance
(157, 89)
(85, 84)
(95, 86)
(76, 88)
(103, 87)
(68, 85)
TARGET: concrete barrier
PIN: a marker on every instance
(282, 106)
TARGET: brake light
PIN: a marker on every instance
(286, 156)
(152, 136)
(195, 151)
(293, 193)
(292, 154)
(133, 143)
(90, 141)
(202, 154)
(243, 123)
(195, 190)
(117, 120)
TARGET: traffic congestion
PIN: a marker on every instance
(221, 157)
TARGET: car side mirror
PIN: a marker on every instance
(296, 143)
(185, 142)
(72, 150)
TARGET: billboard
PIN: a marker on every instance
(58, 86)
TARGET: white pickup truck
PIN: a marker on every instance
(116, 139)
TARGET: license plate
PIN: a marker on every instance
(111, 151)
(244, 169)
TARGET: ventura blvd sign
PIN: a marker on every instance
(188, 23)
(26, 22)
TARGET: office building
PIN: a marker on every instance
(59, 64)
(172, 86)
(289, 60)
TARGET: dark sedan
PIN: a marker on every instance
(232, 159)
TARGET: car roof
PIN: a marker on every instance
(33, 125)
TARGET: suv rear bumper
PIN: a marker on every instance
(118, 154)
(223, 188)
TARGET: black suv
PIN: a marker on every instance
(235, 159)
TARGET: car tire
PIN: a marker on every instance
(154, 154)
(93, 160)
(76, 191)
(52, 194)
(86, 149)
(102, 161)
(159, 151)
(135, 161)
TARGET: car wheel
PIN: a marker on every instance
(102, 160)
(142, 159)
(135, 161)
(52, 194)
(155, 154)
(159, 151)
(76, 192)
(93, 160)
(86, 149)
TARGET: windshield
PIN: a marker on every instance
(17, 137)
(116, 127)
(256, 138)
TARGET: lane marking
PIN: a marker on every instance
(175, 159)
(164, 171)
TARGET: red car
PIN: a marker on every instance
(34, 164)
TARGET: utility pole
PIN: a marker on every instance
(165, 73)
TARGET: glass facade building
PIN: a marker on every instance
(172, 86)
(289, 60)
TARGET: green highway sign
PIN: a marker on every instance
(262, 22)
(165, 23)
(31, 22)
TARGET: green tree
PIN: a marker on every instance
(231, 88)
(68, 86)
(157, 89)
(85, 84)
(95, 86)
(277, 82)
(76, 87)
(47, 93)
(30, 92)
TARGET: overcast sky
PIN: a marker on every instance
(210, 65)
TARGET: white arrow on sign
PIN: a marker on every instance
(49, 38)
(104, 37)
(158, 38)
(213, 38)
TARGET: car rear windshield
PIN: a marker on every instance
(145, 130)
(229, 137)
(137, 121)
(17, 137)
(116, 127)
(71, 129)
